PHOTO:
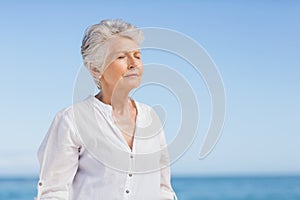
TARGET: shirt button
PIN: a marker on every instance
(40, 183)
(130, 175)
(127, 191)
(131, 156)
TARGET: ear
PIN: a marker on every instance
(94, 71)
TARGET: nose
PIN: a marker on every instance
(132, 62)
(131, 66)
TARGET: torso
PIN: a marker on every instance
(126, 122)
(127, 125)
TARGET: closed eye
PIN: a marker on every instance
(121, 57)
(137, 55)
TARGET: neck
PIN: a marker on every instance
(117, 99)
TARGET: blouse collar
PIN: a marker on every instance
(107, 109)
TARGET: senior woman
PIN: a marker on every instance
(108, 146)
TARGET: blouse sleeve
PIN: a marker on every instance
(58, 157)
(166, 190)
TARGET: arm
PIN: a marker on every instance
(166, 190)
(58, 157)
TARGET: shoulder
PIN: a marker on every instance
(64, 113)
(144, 110)
(68, 112)
(144, 107)
(66, 117)
(147, 115)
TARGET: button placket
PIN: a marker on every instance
(127, 189)
(128, 185)
(131, 165)
(40, 188)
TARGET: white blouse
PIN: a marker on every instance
(84, 156)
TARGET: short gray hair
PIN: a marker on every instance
(96, 35)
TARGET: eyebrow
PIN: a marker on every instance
(135, 51)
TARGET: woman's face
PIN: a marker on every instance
(124, 64)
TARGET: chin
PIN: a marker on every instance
(134, 86)
(134, 83)
(131, 84)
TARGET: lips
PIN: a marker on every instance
(132, 75)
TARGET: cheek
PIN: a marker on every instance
(114, 72)
(142, 68)
(118, 70)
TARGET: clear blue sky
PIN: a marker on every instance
(255, 45)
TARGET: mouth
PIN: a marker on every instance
(132, 75)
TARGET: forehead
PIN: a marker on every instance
(122, 44)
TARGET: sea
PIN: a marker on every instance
(189, 188)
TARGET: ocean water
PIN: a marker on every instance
(238, 188)
(188, 188)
